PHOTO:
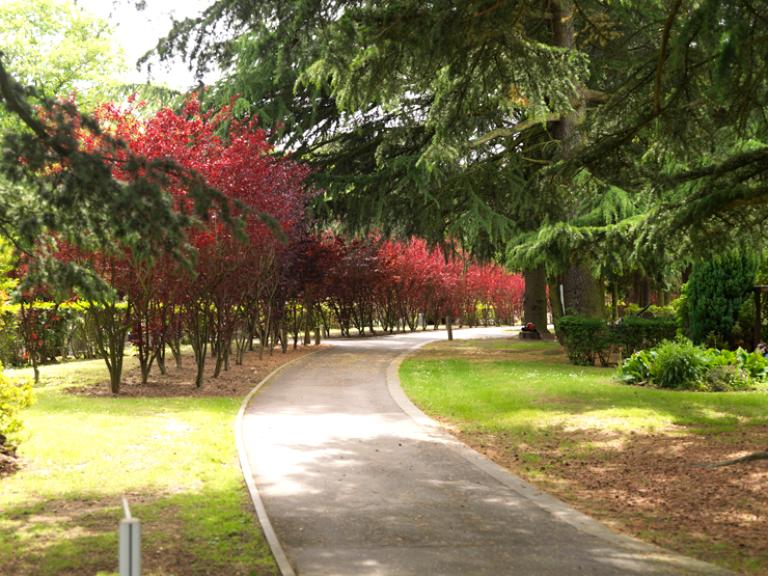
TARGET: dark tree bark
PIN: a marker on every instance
(535, 299)
(584, 295)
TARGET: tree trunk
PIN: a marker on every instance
(554, 299)
(449, 326)
(535, 299)
(583, 293)
(161, 359)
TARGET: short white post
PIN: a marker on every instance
(130, 543)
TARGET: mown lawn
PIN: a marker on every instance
(630, 456)
(173, 457)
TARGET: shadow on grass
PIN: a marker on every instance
(182, 534)
(621, 452)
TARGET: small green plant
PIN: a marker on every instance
(13, 398)
(679, 364)
(637, 368)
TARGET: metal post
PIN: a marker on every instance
(130, 543)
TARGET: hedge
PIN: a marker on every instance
(589, 339)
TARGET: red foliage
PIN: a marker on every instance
(254, 283)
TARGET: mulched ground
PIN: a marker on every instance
(237, 381)
(657, 487)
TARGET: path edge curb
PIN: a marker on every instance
(551, 504)
(278, 552)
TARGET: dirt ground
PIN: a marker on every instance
(237, 381)
(655, 487)
(8, 464)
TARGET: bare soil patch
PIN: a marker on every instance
(8, 464)
(237, 381)
(656, 487)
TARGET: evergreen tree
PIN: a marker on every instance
(715, 293)
(495, 119)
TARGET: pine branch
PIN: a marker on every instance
(516, 129)
(663, 54)
(9, 90)
(716, 170)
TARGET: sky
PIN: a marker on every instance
(138, 31)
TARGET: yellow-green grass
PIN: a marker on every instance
(175, 460)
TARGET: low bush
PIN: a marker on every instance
(587, 339)
(13, 398)
(11, 340)
(679, 364)
(652, 311)
(637, 368)
(634, 333)
(682, 365)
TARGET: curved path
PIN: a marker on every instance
(356, 481)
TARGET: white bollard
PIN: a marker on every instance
(130, 543)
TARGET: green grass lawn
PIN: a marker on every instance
(524, 394)
(577, 432)
(174, 458)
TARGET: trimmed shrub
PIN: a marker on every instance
(634, 333)
(585, 339)
(715, 293)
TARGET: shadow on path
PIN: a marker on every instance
(354, 486)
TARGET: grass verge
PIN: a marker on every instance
(174, 458)
(629, 456)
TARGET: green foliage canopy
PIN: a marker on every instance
(445, 117)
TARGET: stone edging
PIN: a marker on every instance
(555, 507)
(283, 565)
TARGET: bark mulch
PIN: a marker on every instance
(657, 487)
(237, 381)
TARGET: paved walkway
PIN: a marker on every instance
(353, 485)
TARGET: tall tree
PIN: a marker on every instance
(58, 49)
(450, 117)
